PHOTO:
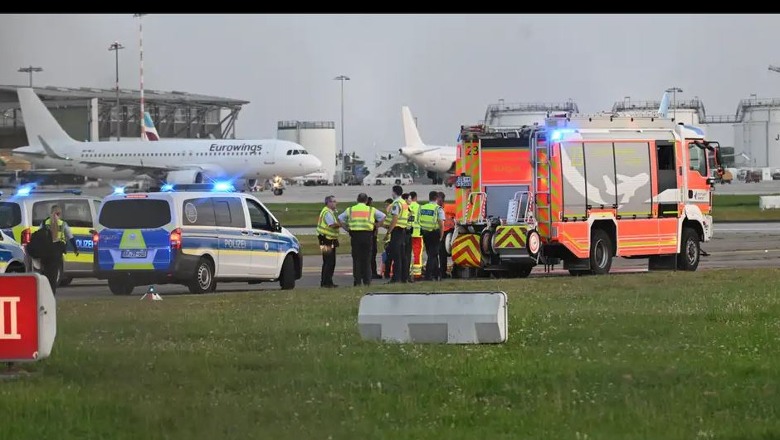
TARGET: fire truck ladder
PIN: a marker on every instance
(536, 149)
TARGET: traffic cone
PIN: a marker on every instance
(151, 295)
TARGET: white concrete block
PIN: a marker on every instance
(444, 318)
(769, 202)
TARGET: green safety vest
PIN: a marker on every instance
(414, 214)
(429, 217)
(322, 226)
(403, 216)
(60, 223)
(360, 217)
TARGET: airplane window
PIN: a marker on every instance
(289, 152)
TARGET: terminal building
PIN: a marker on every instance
(92, 114)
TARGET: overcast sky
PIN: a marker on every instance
(446, 68)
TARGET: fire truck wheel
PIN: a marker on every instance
(688, 258)
(448, 243)
(485, 244)
(522, 271)
(600, 252)
(533, 243)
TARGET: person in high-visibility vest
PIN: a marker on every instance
(328, 235)
(52, 265)
(374, 246)
(399, 211)
(449, 225)
(360, 220)
(432, 227)
(386, 266)
(416, 242)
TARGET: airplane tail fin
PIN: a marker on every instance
(149, 130)
(40, 125)
(411, 135)
(663, 110)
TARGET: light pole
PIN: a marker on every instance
(30, 70)
(342, 78)
(115, 47)
(141, 51)
(674, 91)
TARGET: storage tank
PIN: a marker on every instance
(319, 139)
(759, 133)
(689, 112)
(503, 115)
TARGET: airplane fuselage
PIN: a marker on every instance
(248, 159)
(439, 160)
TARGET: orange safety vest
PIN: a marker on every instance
(449, 216)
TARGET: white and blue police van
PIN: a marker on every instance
(12, 254)
(23, 211)
(194, 235)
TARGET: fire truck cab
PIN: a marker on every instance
(599, 186)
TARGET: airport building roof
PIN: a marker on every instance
(8, 93)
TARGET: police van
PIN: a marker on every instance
(22, 212)
(12, 254)
(194, 235)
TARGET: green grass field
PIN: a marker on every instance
(642, 356)
(727, 208)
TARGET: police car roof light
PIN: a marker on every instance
(24, 190)
(119, 190)
(167, 187)
(217, 186)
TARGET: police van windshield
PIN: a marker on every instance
(10, 215)
(135, 214)
(75, 212)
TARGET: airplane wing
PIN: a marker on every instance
(427, 150)
(141, 168)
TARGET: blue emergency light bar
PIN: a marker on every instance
(25, 191)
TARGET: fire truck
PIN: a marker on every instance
(581, 190)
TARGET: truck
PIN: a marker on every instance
(584, 189)
(389, 179)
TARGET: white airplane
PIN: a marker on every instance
(436, 160)
(171, 161)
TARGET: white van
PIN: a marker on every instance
(193, 235)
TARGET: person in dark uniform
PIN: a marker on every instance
(374, 274)
(399, 211)
(328, 235)
(448, 225)
(360, 220)
(408, 238)
(52, 264)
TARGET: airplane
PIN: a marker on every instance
(434, 159)
(149, 131)
(174, 161)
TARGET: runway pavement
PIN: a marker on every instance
(739, 248)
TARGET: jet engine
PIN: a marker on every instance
(185, 176)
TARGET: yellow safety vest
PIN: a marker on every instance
(322, 225)
(60, 223)
(403, 216)
(388, 219)
(360, 217)
(429, 217)
(414, 210)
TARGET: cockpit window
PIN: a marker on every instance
(289, 152)
(296, 152)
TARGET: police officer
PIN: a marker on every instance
(416, 239)
(360, 220)
(399, 212)
(432, 228)
(328, 235)
(374, 250)
(387, 260)
(52, 264)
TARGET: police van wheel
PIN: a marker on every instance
(287, 277)
(64, 281)
(203, 280)
(118, 286)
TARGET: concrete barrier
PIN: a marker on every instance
(451, 317)
(769, 202)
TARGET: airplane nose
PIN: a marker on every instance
(313, 164)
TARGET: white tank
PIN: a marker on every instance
(519, 114)
(318, 137)
(760, 132)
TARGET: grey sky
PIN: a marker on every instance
(446, 68)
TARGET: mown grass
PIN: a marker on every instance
(728, 207)
(641, 356)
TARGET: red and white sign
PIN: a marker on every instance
(28, 322)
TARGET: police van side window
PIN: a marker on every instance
(229, 213)
(75, 212)
(10, 215)
(259, 216)
(198, 212)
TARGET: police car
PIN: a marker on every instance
(22, 213)
(12, 255)
(194, 235)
